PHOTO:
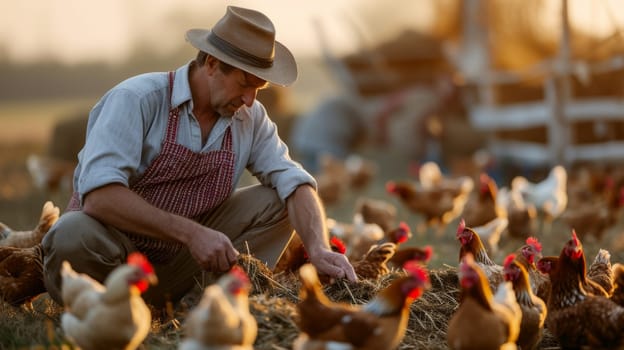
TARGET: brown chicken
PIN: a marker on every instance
(295, 255)
(521, 216)
(589, 218)
(405, 254)
(575, 317)
(471, 244)
(483, 320)
(618, 284)
(533, 308)
(222, 319)
(21, 274)
(437, 206)
(430, 176)
(376, 211)
(333, 179)
(527, 256)
(361, 171)
(481, 206)
(374, 263)
(25, 239)
(108, 316)
(379, 324)
(601, 271)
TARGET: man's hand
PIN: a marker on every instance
(333, 264)
(212, 250)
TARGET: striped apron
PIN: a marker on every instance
(182, 182)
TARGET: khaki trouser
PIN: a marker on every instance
(252, 217)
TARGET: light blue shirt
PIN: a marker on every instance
(127, 126)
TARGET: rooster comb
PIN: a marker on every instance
(462, 226)
(138, 259)
(509, 259)
(404, 226)
(535, 243)
(238, 272)
(413, 268)
(338, 244)
(428, 252)
(390, 186)
(575, 239)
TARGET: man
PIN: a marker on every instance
(162, 155)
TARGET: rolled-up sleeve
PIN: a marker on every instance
(269, 159)
(112, 151)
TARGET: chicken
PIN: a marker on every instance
(108, 316)
(222, 319)
(527, 256)
(471, 244)
(521, 216)
(361, 171)
(437, 206)
(482, 206)
(405, 254)
(482, 320)
(49, 173)
(295, 254)
(24, 239)
(575, 317)
(379, 324)
(358, 236)
(601, 271)
(533, 308)
(618, 284)
(376, 211)
(21, 274)
(590, 218)
(373, 264)
(430, 176)
(491, 232)
(333, 179)
(549, 196)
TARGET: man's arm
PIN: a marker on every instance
(308, 218)
(118, 206)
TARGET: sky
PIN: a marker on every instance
(73, 31)
(77, 30)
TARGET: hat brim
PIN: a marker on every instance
(283, 72)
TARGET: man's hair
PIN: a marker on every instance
(201, 60)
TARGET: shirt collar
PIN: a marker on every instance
(181, 88)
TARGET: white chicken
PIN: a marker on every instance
(549, 196)
(491, 232)
(358, 236)
(221, 320)
(108, 316)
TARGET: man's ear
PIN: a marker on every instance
(211, 62)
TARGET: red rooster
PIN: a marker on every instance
(378, 324)
(575, 317)
(533, 308)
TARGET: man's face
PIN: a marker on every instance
(233, 89)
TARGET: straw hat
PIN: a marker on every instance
(245, 39)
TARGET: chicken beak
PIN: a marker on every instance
(152, 279)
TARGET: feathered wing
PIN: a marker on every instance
(79, 291)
